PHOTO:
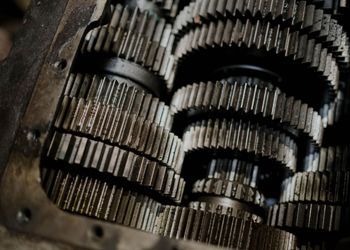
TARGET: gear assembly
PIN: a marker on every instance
(220, 122)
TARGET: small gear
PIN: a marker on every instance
(237, 135)
(234, 170)
(213, 205)
(229, 189)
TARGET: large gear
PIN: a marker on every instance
(273, 238)
(213, 205)
(91, 102)
(292, 45)
(97, 198)
(257, 100)
(298, 14)
(117, 162)
(222, 227)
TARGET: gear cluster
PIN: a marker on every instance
(209, 120)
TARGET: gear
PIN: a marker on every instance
(258, 100)
(229, 189)
(138, 37)
(269, 238)
(125, 122)
(223, 227)
(233, 170)
(168, 7)
(290, 13)
(331, 188)
(308, 217)
(100, 199)
(292, 45)
(327, 159)
(95, 101)
(218, 228)
(213, 205)
(266, 81)
(117, 162)
(237, 135)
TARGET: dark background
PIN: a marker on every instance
(11, 14)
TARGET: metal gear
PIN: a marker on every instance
(257, 100)
(237, 135)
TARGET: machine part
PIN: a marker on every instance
(87, 153)
(126, 117)
(135, 36)
(223, 227)
(124, 71)
(170, 7)
(85, 93)
(273, 238)
(308, 217)
(213, 204)
(292, 45)
(234, 170)
(329, 188)
(228, 189)
(257, 100)
(293, 14)
(237, 135)
(327, 159)
(113, 127)
(100, 199)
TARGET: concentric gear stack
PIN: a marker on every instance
(111, 154)
(236, 99)
(243, 102)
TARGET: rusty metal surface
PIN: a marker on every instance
(14, 241)
(19, 72)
